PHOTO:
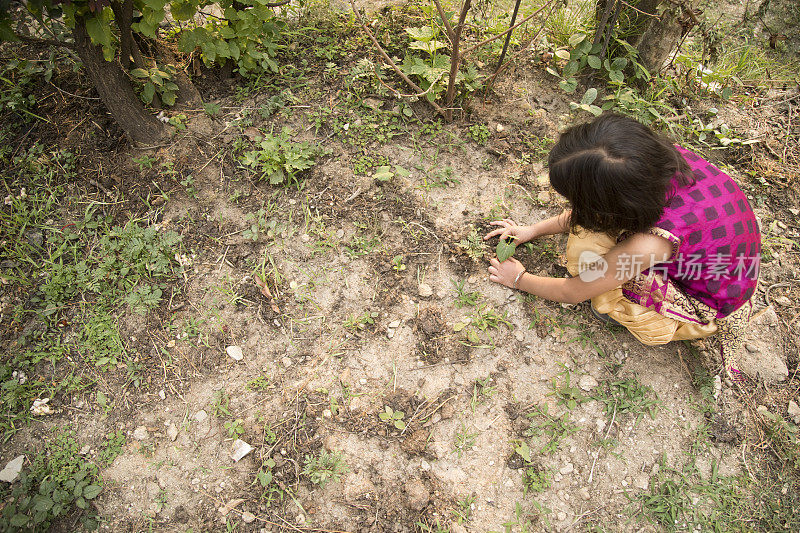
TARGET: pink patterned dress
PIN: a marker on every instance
(713, 271)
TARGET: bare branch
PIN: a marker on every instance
(447, 26)
(391, 63)
(455, 59)
(512, 28)
(51, 42)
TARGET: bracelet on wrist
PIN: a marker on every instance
(519, 276)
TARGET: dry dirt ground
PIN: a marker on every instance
(517, 414)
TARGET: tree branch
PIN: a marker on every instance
(512, 28)
(447, 26)
(391, 63)
(455, 59)
(51, 42)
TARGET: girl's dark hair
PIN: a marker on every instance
(616, 173)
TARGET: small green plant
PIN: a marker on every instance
(464, 298)
(473, 245)
(464, 440)
(479, 133)
(57, 482)
(115, 441)
(145, 162)
(360, 322)
(392, 417)
(157, 80)
(220, 402)
(189, 185)
(212, 109)
(325, 467)
(567, 395)
(278, 159)
(549, 429)
(259, 225)
(100, 340)
(235, 428)
(627, 396)
(482, 391)
(397, 263)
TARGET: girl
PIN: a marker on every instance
(661, 241)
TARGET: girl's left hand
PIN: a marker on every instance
(506, 272)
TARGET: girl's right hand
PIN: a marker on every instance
(509, 228)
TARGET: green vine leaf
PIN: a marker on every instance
(505, 249)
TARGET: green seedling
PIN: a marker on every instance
(463, 297)
(393, 417)
(505, 249)
(325, 467)
(397, 263)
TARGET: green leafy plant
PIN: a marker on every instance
(279, 159)
(235, 428)
(586, 103)
(464, 298)
(58, 482)
(392, 417)
(505, 249)
(479, 133)
(397, 263)
(157, 80)
(550, 429)
(324, 467)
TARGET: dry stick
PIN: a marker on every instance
(512, 28)
(521, 50)
(388, 59)
(508, 35)
(597, 454)
(455, 59)
(447, 26)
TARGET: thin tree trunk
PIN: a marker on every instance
(115, 90)
(129, 50)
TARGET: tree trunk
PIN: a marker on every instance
(115, 91)
(658, 38)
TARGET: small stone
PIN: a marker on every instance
(783, 300)
(587, 383)
(172, 432)
(794, 211)
(235, 352)
(424, 465)
(394, 324)
(472, 279)
(424, 290)
(566, 469)
(248, 517)
(140, 433)
(40, 407)
(340, 234)
(162, 394)
(239, 450)
(561, 516)
(390, 333)
(327, 413)
(300, 519)
(305, 237)
(641, 483)
(601, 425)
(543, 197)
(363, 381)
(500, 128)
(201, 416)
(750, 347)
(286, 361)
(584, 494)
(794, 411)
(519, 335)
(10, 473)
(85, 450)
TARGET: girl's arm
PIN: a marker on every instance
(550, 226)
(623, 262)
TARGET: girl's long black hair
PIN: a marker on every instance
(616, 173)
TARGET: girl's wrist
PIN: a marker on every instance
(515, 285)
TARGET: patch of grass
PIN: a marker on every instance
(220, 403)
(324, 467)
(464, 298)
(360, 322)
(627, 396)
(566, 394)
(464, 440)
(479, 133)
(549, 430)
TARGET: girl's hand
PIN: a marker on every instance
(506, 272)
(509, 228)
